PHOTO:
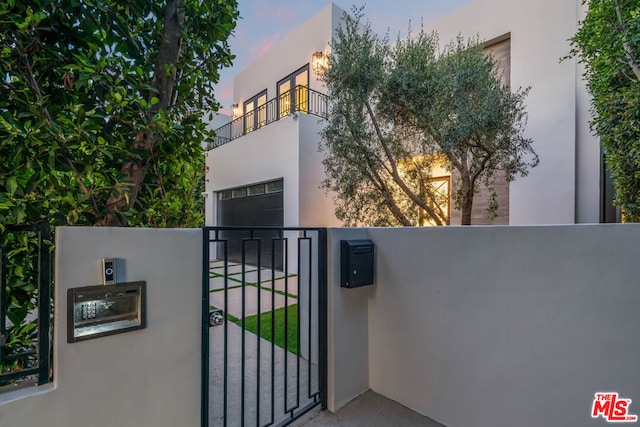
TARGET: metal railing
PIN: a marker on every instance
(299, 99)
(25, 284)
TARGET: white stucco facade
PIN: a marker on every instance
(563, 189)
(286, 149)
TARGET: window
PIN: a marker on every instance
(293, 92)
(255, 112)
(276, 186)
(255, 190)
(441, 190)
(239, 192)
(430, 179)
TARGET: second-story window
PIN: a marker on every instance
(293, 92)
(255, 112)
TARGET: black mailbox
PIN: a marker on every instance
(356, 263)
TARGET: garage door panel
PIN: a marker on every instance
(260, 210)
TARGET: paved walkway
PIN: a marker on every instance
(262, 378)
(368, 410)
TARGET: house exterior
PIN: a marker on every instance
(274, 146)
(265, 168)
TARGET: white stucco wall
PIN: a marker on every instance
(315, 205)
(145, 378)
(495, 326)
(564, 188)
(348, 328)
(290, 54)
(269, 153)
(287, 148)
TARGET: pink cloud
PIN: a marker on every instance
(226, 111)
(240, 36)
(225, 90)
(264, 45)
(264, 10)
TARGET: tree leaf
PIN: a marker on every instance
(12, 185)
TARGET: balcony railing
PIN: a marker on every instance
(299, 99)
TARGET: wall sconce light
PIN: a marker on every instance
(236, 110)
(318, 62)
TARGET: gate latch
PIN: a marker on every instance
(216, 318)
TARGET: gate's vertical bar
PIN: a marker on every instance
(323, 315)
(299, 317)
(309, 331)
(273, 327)
(283, 242)
(204, 400)
(258, 335)
(44, 304)
(242, 321)
(286, 333)
(225, 355)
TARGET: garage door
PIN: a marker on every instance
(254, 205)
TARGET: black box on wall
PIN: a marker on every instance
(356, 263)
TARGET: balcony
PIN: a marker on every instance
(299, 99)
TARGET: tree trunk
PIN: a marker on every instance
(125, 196)
(467, 203)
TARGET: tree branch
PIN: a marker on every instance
(386, 193)
(394, 170)
(382, 186)
(633, 63)
(35, 87)
(430, 194)
(165, 73)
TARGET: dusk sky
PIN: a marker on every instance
(264, 23)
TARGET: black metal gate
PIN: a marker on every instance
(25, 305)
(264, 332)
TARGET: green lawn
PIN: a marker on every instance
(251, 324)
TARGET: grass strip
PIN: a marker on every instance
(221, 276)
(280, 278)
(231, 264)
(251, 325)
(264, 288)
(239, 273)
(214, 275)
(228, 288)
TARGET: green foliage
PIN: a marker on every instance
(608, 44)
(102, 108)
(22, 269)
(97, 121)
(401, 111)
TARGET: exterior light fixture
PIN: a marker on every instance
(236, 110)
(318, 62)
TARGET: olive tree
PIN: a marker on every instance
(399, 111)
